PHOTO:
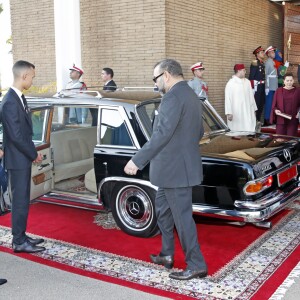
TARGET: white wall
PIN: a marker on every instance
(6, 59)
(67, 39)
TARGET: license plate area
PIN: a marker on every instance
(287, 175)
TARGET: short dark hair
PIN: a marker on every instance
(288, 74)
(21, 65)
(171, 66)
(109, 71)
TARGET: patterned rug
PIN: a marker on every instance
(241, 278)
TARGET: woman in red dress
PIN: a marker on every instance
(286, 101)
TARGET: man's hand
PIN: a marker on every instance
(229, 117)
(267, 92)
(39, 158)
(131, 168)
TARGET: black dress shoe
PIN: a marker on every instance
(27, 247)
(188, 274)
(2, 281)
(167, 261)
(35, 241)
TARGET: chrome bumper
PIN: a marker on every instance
(252, 212)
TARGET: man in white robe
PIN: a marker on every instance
(240, 104)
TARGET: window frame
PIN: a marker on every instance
(122, 112)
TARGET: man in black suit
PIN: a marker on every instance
(107, 75)
(175, 167)
(19, 153)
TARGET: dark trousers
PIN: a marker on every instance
(19, 183)
(260, 98)
(174, 206)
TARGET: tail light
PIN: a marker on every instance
(254, 187)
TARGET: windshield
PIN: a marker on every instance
(211, 120)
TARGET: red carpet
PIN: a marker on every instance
(225, 247)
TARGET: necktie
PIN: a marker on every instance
(25, 103)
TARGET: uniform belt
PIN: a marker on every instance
(261, 82)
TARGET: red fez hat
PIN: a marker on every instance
(198, 65)
(271, 48)
(80, 71)
(238, 67)
(257, 50)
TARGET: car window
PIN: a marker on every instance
(39, 120)
(38, 125)
(146, 114)
(211, 120)
(113, 129)
(65, 118)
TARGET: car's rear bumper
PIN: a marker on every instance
(253, 212)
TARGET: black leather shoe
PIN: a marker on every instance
(27, 247)
(2, 281)
(35, 241)
(188, 274)
(167, 261)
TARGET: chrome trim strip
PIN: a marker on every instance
(97, 208)
(89, 200)
(261, 203)
(125, 179)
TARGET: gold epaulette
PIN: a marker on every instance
(254, 63)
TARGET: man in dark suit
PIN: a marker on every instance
(19, 153)
(175, 167)
(107, 75)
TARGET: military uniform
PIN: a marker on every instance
(257, 79)
(271, 83)
(199, 87)
(197, 84)
(76, 115)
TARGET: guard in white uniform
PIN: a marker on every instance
(197, 83)
(76, 115)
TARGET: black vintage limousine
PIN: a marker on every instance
(87, 138)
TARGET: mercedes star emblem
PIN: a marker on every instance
(134, 208)
(287, 155)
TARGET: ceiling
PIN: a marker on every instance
(279, 2)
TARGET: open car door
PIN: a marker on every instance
(42, 174)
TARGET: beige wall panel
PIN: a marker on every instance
(33, 37)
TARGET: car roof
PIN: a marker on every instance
(95, 98)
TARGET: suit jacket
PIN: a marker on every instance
(19, 150)
(111, 86)
(173, 148)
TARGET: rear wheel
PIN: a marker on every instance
(133, 210)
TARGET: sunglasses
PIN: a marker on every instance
(155, 78)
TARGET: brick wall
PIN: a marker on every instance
(126, 35)
(220, 33)
(131, 36)
(33, 37)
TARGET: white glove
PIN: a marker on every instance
(286, 64)
(267, 91)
